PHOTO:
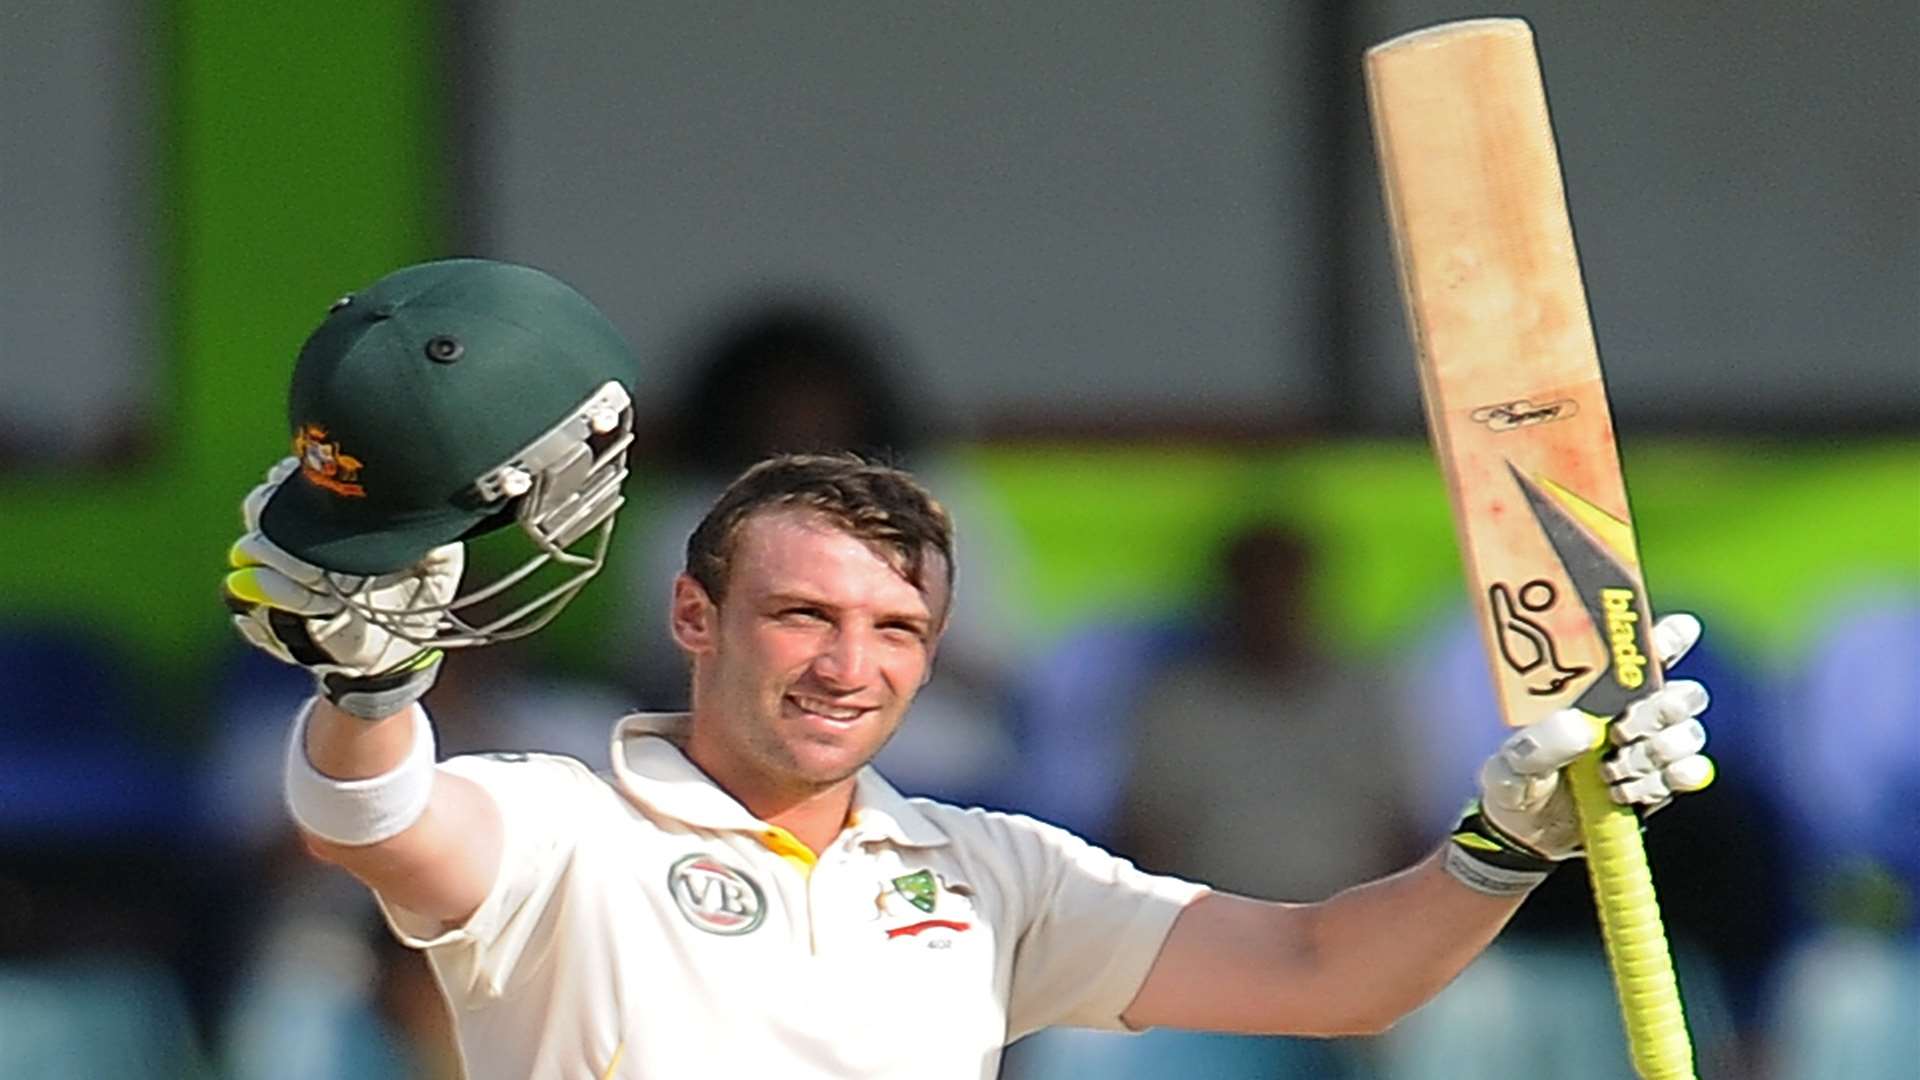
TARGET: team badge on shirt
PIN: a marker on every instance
(715, 897)
(918, 889)
(922, 891)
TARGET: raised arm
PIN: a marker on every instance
(1349, 965)
(444, 401)
(1355, 963)
(360, 774)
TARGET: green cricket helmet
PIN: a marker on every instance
(444, 401)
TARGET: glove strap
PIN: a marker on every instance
(1486, 860)
(376, 697)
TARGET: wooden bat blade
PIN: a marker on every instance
(1510, 371)
(1517, 411)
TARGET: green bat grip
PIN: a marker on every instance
(1630, 924)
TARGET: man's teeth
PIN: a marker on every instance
(831, 712)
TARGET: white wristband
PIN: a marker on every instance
(354, 813)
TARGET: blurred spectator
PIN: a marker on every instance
(804, 376)
(98, 890)
(1530, 1008)
(1844, 1008)
(306, 1006)
(499, 699)
(80, 1017)
(302, 1001)
(1444, 695)
(74, 770)
(1075, 706)
(1852, 801)
(1264, 765)
(1261, 765)
(1844, 1000)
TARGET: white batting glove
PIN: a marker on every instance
(302, 614)
(1524, 822)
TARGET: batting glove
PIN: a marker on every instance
(1523, 824)
(302, 614)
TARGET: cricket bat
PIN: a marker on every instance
(1517, 411)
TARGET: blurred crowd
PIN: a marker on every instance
(158, 916)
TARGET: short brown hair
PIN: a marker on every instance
(870, 501)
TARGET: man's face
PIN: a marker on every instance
(804, 671)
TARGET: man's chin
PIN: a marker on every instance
(824, 755)
(824, 770)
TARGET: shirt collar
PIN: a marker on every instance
(651, 768)
(882, 813)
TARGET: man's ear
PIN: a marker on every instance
(694, 617)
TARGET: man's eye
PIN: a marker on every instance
(803, 614)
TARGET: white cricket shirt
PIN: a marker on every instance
(647, 925)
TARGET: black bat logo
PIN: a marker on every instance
(1525, 644)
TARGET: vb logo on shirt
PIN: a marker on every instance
(715, 897)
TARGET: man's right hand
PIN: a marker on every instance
(303, 614)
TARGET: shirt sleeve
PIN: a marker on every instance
(540, 797)
(1093, 926)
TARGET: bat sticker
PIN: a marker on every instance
(1525, 644)
(1596, 550)
(1509, 415)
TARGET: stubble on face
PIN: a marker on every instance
(821, 644)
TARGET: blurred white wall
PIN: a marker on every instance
(1745, 186)
(1061, 207)
(1106, 213)
(1093, 210)
(79, 216)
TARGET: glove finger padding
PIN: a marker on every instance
(1660, 743)
(1520, 789)
(336, 624)
(1689, 774)
(1542, 749)
(1656, 751)
(254, 549)
(259, 585)
(366, 639)
(261, 636)
(256, 500)
(1678, 701)
(1674, 636)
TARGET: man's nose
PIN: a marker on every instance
(846, 661)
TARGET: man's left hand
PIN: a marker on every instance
(1525, 818)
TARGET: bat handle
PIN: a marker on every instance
(1630, 924)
